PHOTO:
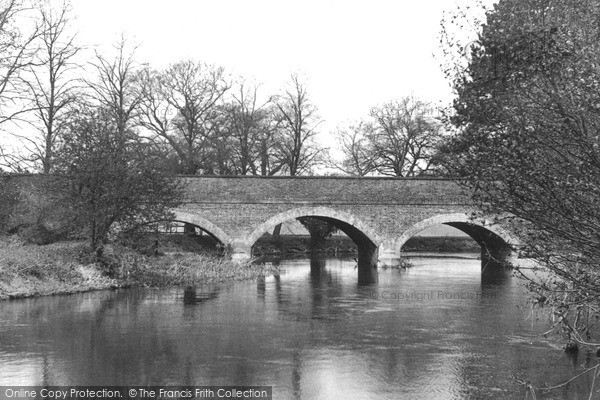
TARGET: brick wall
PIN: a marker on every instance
(385, 208)
(323, 190)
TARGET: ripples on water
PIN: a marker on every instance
(437, 330)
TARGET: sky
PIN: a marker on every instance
(352, 55)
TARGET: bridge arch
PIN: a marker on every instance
(340, 217)
(205, 224)
(496, 242)
(362, 234)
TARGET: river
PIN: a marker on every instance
(438, 330)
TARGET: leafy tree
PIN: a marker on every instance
(528, 117)
(112, 182)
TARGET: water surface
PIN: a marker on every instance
(437, 330)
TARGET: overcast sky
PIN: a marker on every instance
(352, 54)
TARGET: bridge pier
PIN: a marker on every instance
(496, 255)
(240, 253)
(389, 254)
(367, 263)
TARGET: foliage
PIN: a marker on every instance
(8, 197)
(28, 209)
(39, 215)
(112, 182)
(528, 116)
(399, 139)
(318, 228)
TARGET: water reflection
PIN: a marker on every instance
(496, 276)
(317, 267)
(367, 274)
(441, 329)
(192, 297)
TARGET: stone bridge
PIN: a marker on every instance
(378, 214)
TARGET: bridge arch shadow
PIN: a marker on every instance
(204, 224)
(199, 222)
(363, 235)
(497, 243)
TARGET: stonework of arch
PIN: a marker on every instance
(205, 224)
(312, 212)
(497, 244)
(458, 218)
(362, 234)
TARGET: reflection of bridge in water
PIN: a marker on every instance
(378, 214)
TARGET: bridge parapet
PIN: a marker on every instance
(323, 190)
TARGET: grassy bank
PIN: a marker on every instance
(67, 267)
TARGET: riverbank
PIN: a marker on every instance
(28, 270)
(67, 267)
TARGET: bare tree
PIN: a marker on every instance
(117, 88)
(220, 149)
(358, 158)
(16, 55)
(251, 128)
(399, 139)
(270, 164)
(297, 122)
(51, 83)
(12, 160)
(403, 137)
(180, 107)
